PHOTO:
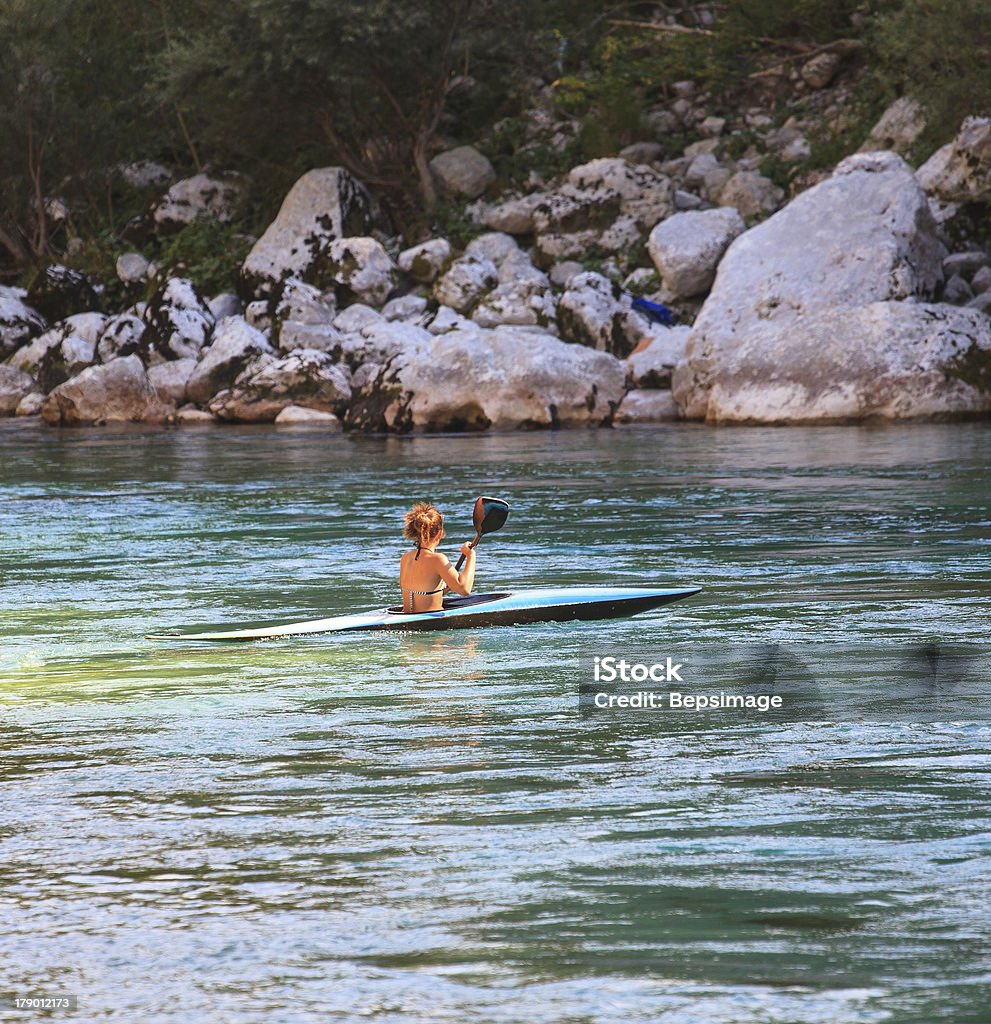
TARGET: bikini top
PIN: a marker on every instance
(421, 593)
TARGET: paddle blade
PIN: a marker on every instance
(489, 515)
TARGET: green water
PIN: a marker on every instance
(407, 828)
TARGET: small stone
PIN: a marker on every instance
(30, 404)
(462, 172)
(818, 72)
(300, 416)
(642, 152)
(981, 281)
(965, 263)
(713, 127)
(424, 262)
(957, 291)
(686, 200)
(190, 414)
(562, 273)
(647, 407)
(132, 268)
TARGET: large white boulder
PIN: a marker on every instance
(474, 380)
(18, 321)
(235, 346)
(874, 241)
(883, 360)
(303, 378)
(325, 204)
(898, 128)
(652, 364)
(687, 248)
(114, 392)
(170, 379)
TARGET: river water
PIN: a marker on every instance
(407, 828)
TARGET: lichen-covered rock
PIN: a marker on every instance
(378, 342)
(507, 378)
(324, 205)
(883, 360)
(30, 404)
(300, 307)
(644, 194)
(898, 128)
(463, 172)
(145, 174)
(302, 378)
(224, 304)
(201, 197)
(962, 170)
(62, 351)
(361, 269)
(875, 240)
(59, 292)
(652, 363)
(355, 317)
(687, 248)
(115, 392)
(19, 323)
(514, 216)
(595, 312)
(170, 379)
(15, 385)
(647, 407)
(752, 194)
(467, 280)
(121, 336)
(523, 295)
(424, 262)
(177, 322)
(236, 345)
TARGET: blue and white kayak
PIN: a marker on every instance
(558, 604)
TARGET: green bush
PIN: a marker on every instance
(209, 253)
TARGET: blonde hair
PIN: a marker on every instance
(423, 523)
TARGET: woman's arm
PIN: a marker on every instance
(460, 583)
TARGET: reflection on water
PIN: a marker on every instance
(420, 827)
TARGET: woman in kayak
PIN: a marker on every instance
(424, 573)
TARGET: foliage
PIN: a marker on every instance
(209, 253)
(940, 54)
(452, 221)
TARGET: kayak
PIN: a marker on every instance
(558, 604)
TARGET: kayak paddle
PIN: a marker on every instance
(490, 514)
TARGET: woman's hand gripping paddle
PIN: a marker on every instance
(490, 515)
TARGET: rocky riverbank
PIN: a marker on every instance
(842, 303)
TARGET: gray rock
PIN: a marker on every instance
(446, 320)
(874, 241)
(514, 216)
(562, 273)
(961, 171)
(30, 404)
(687, 248)
(361, 269)
(405, 308)
(302, 378)
(115, 392)
(888, 360)
(508, 378)
(203, 196)
(647, 407)
(356, 317)
(642, 152)
(170, 379)
(189, 415)
(898, 129)
(751, 193)
(982, 281)
(18, 322)
(235, 346)
(821, 69)
(300, 416)
(686, 200)
(964, 263)
(595, 312)
(425, 262)
(707, 175)
(379, 342)
(324, 205)
(15, 386)
(145, 174)
(300, 307)
(467, 280)
(178, 322)
(121, 336)
(712, 127)
(258, 314)
(957, 291)
(319, 337)
(981, 301)
(462, 172)
(224, 304)
(644, 194)
(496, 246)
(132, 268)
(652, 363)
